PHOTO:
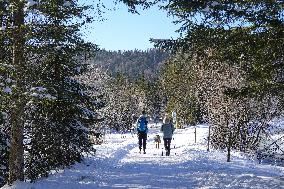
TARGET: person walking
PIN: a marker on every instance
(142, 129)
(168, 129)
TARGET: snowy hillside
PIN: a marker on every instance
(118, 164)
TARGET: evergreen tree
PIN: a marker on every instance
(179, 84)
(122, 104)
(5, 91)
(150, 95)
(49, 111)
(61, 113)
(245, 33)
(16, 159)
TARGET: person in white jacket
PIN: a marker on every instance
(168, 129)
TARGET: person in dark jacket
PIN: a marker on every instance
(142, 129)
(168, 129)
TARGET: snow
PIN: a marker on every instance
(43, 96)
(38, 92)
(8, 80)
(215, 3)
(58, 48)
(88, 112)
(7, 90)
(206, 9)
(118, 164)
(30, 3)
(39, 89)
(67, 3)
(78, 69)
(2, 167)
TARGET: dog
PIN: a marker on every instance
(157, 140)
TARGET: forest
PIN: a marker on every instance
(132, 64)
(226, 70)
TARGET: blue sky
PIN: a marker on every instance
(125, 31)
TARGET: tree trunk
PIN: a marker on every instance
(208, 142)
(195, 133)
(229, 146)
(16, 159)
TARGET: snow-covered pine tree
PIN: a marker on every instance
(118, 100)
(47, 109)
(96, 80)
(4, 138)
(4, 155)
(60, 112)
(5, 91)
(122, 103)
(18, 75)
(149, 93)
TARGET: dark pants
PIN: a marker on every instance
(167, 144)
(142, 137)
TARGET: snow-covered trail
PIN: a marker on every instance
(118, 164)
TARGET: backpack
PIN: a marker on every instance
(142, 124)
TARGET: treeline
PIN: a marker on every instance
(131, 63)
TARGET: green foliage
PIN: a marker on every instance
(152, 94)
(58, 112)
(4, 148)
(179, 89)
(121, 105)
(245, 33)
(58, 131)
(133, 4)
(5, 86)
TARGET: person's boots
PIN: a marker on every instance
(144, 151)
(167, 151)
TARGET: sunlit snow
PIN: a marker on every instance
(30, 3)
(7, 90)
(118, 164)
